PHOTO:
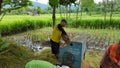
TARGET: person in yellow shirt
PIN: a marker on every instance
(57, 33)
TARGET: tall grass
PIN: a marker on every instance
(19, 23)
(96, 24)
(22, 23)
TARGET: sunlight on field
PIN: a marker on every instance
(12, 18)
(26, 22)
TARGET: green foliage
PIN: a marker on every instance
(66, 2)
(23, 23)
(13, 4)
(4, 46)
(43, 36)
(1, 40)
(39, 36)
(99, 7)
(53, 3)
(20, 26)
(96, 24)
(1, 5)
(117, 2)
(88, 4)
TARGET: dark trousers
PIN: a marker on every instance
(54, 47)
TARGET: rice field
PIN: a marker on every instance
(37, 30)
(12, 24)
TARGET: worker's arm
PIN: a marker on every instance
(61, 29)
(64, 34)
(113, 51)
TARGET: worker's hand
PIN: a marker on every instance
(63, 45)
(66, 38)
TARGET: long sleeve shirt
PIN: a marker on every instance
(61, 29)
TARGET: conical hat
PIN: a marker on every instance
(39, 64)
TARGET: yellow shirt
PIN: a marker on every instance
(56, 34)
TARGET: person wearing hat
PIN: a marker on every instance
(111, 58)
(57, 33)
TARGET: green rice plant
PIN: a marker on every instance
(95, 23)
(23, 26)
(1, 40)
(20, 23)
(35, 37)
(39, 37)
(43, 36)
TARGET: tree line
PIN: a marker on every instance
(87, 4)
